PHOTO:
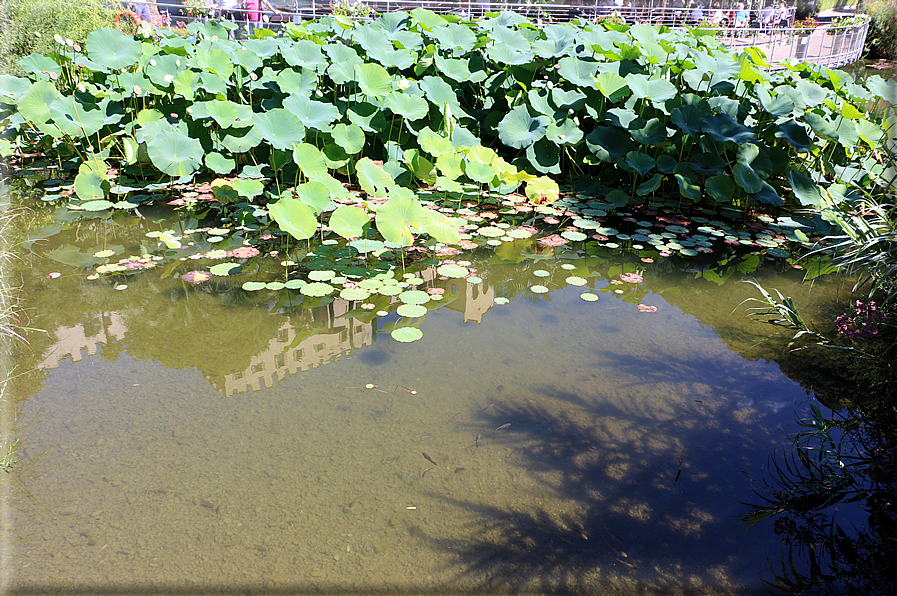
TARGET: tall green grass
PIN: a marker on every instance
(881, 41)
(28, 26)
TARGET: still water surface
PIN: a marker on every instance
(204, 439)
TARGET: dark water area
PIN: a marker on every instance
(202, 438)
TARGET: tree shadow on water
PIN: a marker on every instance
(608, 520)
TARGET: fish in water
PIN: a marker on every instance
(477, 440)
(487, 407)
(505, 425)
(429, 459)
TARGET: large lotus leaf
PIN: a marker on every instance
(220, 164)
(12, 88)
(213, 60)
(40, 66)
(806, 191)
(371, 39)
(348, 221)
(611, 85)
(450, 165)
(263, 48)
(35, 104)
(542, 190)
(280, 128)
(343, 61)
(372, 177)
(609, 143)
(313, 114)
(441, 94)
(309, 158)
(213, 83)
(247, 59)
(248, 187)
(709, 163)
(747, 178)
(367, 116)
(240, 140)
(657, 90)
(433, 143)
(421, 168)
(458, 69)
(721, 188)
(77, 119)
(398, 218)
(768, 195)
(538, 101)
(185, 83)
(442, 228)
(649, 186)
(884, 88)
(315, 195)
(113, 49)
(519, 129)
(348, 136)
(302, 82)
(427, 19)
(294, 217)
(91, 185)
(334, 186)
(502, 54)
(640, 162)
(811, 93)
(400, 59)
(509, 38)
(226, 114)
(162, 68)
(689, 118)
(458, 39)
(795, 134)
(781, 104)
(373, 79)
(305, 53)
(552, 48)
(544, 156)
(687, 188)
(622, 117)
(578, 71)
(479, 172)
(174, 153)
(652, 133)
(567, 100)
(335, 157)
(723, 127)
(410, 107)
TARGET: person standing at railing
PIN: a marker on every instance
(254, 6)
(782, 14)
(767, 17)
(230, 9)
(142, 10)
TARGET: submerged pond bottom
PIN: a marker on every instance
(556, 446)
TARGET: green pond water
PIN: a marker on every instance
(199, 438)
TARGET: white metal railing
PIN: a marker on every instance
(767, 28)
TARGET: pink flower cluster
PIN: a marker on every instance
(646, 308)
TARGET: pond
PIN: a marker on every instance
(574, 419)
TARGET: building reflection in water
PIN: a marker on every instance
(332, 336)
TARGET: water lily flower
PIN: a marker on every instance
(646, 308)
(632, 278)
(403, 84)
(196, 277)
(553, 240)
(244, 252)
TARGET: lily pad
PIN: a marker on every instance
(411, 310)
(254, 286)
(541, 273)
(225, 269)
(452, 270)
(574, 280)
(414, 297)
(407, 334)
(539, 289)
(354, 294)
(316, 289)
(589, 297)
(501, 300)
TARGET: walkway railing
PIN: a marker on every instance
(770, 30)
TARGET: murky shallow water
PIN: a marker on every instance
(194, 441)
